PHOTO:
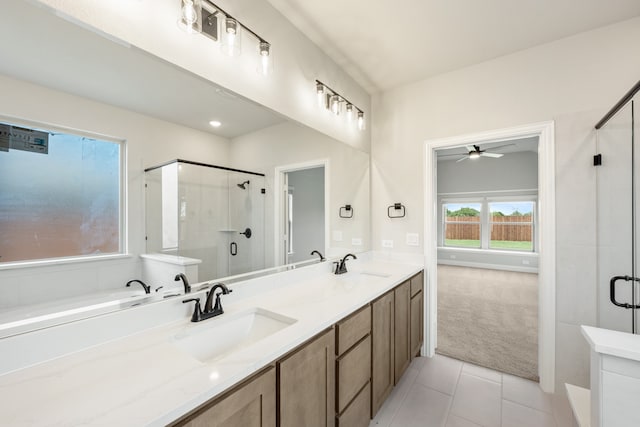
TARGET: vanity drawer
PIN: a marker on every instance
(352, 329)
(416, 283)
(353, 370)
(357, 414)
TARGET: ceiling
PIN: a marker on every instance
(503, 147)
(72, 59)
(386, 43)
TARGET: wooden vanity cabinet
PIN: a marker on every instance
(382, 350)
(416, 330)
(402, 325)
(353, 369)
(306, 379)
(251, 403)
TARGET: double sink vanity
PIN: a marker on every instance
(301, 347)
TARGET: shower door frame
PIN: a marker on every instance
(633, 305)
(546, 238)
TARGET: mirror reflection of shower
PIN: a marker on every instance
(193, 211)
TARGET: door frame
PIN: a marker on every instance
(546, 237)
(278, 207)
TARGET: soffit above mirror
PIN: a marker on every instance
(62, 55)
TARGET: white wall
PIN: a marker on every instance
(307, 186)
(572, 81)
(148, 142)
(152, 26)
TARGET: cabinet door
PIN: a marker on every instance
(307, 384)
(381, 350)
(417, 323)
(402, 352)
(252, 403)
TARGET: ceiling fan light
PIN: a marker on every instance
(474, 155)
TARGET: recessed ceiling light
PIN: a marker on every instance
(215, 123)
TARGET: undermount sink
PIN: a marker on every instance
(215, 338)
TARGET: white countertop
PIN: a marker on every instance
(614, 343)
(144, 379)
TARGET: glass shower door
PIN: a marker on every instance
(246, 223)
(618, 207)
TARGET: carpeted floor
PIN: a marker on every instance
(489, 318)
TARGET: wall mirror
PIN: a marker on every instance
(258, 149)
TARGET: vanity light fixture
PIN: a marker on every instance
(361, 124)
(202, 16)
(332, 100)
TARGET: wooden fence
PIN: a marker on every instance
(504, 228)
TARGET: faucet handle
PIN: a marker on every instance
(197, 311)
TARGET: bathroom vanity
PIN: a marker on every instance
(302, 347)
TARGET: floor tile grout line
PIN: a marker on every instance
(453, 395)
(527, 406)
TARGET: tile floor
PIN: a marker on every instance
(446, 392)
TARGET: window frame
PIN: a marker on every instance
(486, 222)
(123, 240)
(481, 231)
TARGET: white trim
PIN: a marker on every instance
(484, 265)
(545, 236)
(278, 180)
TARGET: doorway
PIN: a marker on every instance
(302, 219)
(545, 232)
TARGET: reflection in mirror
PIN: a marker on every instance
(211, 214)
(162, 112)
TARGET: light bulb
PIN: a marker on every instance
(349, 112)
(474, 155)
(231, 37)
(189, 16)
(265, 65)
(361, 123)
(335, 104)
(320, 92)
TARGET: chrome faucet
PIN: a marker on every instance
(341, 266)
(209, 311)
(185, 282)
(322, 258)
(147, 288)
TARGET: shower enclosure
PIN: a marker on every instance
(618, 199)
(206, 212)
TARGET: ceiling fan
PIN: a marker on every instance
(474, 152)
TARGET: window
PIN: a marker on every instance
(511, 225)
(490, 223)
(59, 195)
(462, 224)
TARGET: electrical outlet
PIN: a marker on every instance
(337, 236)
(356, 241)
(452, 256)
(387, 243)
(525, 261)
(413, 239)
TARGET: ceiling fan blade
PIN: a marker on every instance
(500, 146)
(461, 159)
(494, 155)
(470, 148)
